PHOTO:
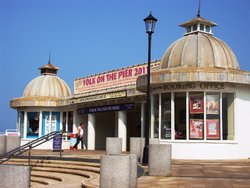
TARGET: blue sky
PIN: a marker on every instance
(86, 37)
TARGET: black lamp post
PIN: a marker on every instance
(150, 26)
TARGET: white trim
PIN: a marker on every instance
(40, 124)
(201, 141)
(205, 115)
(172, 111)
(152, 117)
(25, 124)
(159, 124)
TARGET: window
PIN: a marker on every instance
(228, 116)
(189, 29)
(166, 116)
(213, 116)
(207, 29)
(196, 116)
(70, 123)
(180, 115)
(201, 27)
(195, 27)
(155, 112)
(64, 121)
(33, 124)
(21, 123)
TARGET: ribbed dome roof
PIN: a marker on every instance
(199, 48)
(47, 86)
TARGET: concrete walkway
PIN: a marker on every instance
(185, 173)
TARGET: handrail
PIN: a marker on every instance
(27, 147)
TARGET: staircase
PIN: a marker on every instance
(59, 173)
(27, 147)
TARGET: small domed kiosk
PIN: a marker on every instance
(200, 97)
(40, 109)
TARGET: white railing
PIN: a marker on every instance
(12, 132)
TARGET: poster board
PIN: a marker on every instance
(196, 104)
(213, 104)
(57, 142)
(196, 129)
(213, 129)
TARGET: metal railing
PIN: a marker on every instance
(27, 147)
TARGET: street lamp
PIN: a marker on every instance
(150, 26)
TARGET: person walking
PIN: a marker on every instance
(80, 132)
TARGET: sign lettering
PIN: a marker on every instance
(114, 79)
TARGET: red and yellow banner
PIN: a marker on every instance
(113, 79)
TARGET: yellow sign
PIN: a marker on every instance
(99, 97)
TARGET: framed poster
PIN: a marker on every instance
(196, 105)
(213, 104)
(47, 124)
(196, 129)
(213, 129)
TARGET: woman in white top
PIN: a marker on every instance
(79, 135)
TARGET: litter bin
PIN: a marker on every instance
(72, 141)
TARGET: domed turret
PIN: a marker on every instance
(48, 84)
(199, 48)
(45, 90)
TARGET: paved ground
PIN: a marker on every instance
(185, 173)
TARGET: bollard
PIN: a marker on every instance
(12, 142)
(113, 146)
(118, 171)
(133, 171)
(115, 171)
(137, 145)
(14, 176)
(2, 144)
(160, 156)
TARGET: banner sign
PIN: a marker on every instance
(113, 79)
(57, 142)
(118, 107)
(99, 97)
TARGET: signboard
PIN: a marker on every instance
(192, 86)
(57, 142)
(100, 97)
(129, 106)
(113, 79)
